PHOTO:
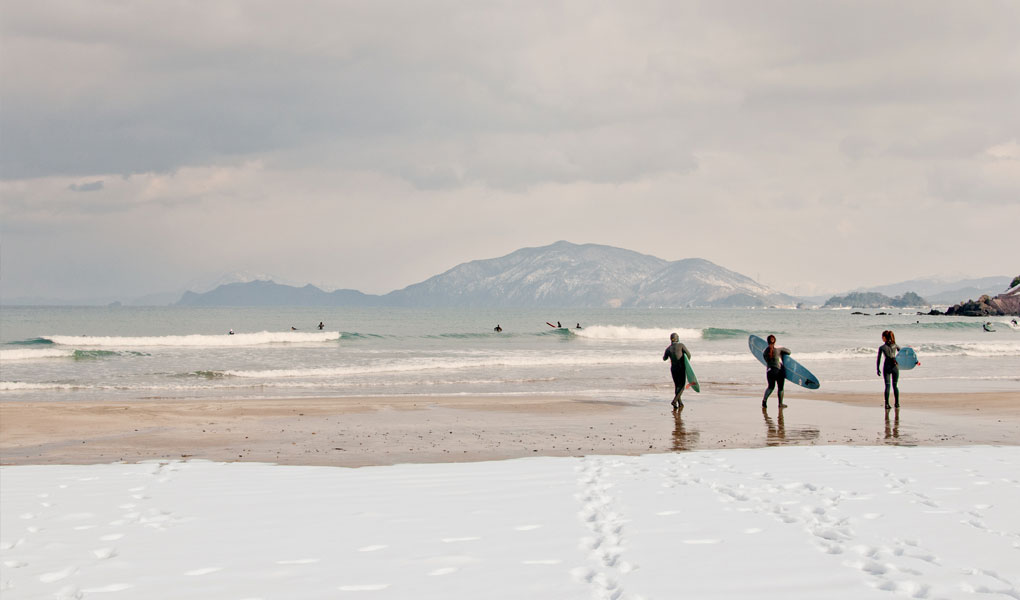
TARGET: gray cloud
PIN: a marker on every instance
(243, 120)
(91, 186)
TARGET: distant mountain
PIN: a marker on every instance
(944, 291)
(268, 293)
(875, 300)
(559, 275)
(588, 275)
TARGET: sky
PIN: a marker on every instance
(154, 147)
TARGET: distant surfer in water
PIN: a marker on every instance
(890, 371)
(675, 353)
(231, 332)
(775, 373)
(321, 325)
(497, 328)
(578, 326)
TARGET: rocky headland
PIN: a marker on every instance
(1005, 304)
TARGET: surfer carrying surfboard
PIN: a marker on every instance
(775, 372)
(675, 353)
(890, 371)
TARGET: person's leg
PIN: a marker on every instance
(679, 382)
(895, 387)
(770, 378)
(780, 380)
(888, 384)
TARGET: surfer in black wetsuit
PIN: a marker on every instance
(775, 373)
(497, 328)
(890, 371)
(675, 353)
(321, 325)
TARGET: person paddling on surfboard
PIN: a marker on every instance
(775, 372)
(890, 371)
(675, 353)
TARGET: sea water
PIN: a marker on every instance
(165, 354)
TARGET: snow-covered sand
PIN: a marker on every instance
(788, 522)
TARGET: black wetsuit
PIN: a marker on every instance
(775, 373)
(890, 370)
(675, 353)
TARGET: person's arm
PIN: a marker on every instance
(878, 362)
(687, 352)
(665, 355)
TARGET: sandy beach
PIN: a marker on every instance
(363, 431)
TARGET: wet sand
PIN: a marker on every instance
(382, 431)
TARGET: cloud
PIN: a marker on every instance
(372, 145)
(92, 186)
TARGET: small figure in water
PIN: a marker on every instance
(231, 332)
(558, 325)
(497, 328)
(675, 353)
(578, 326)
(292, 328)
(321, 325)
(890, 371)
(775, 374)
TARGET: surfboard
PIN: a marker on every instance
(692, 379)
(795, 372)
(906, 358)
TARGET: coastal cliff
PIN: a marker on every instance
(1005, 304)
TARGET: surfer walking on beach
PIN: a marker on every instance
(890, 370)
(675, 353)
(775, 372)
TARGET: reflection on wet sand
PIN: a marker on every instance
(683, 439)
(777, 435)
(892, 429)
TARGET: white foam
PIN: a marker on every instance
(198, 340)
(626, 332)
(35, 353)
(21, 386)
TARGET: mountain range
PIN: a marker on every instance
(561, 274)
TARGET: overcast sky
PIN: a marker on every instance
(816, 146)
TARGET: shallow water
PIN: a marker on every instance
(166, 353)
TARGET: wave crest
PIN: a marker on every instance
(199, 340)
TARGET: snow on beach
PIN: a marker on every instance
(791, 522)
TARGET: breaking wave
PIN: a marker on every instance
(198, 340)
(624, 332)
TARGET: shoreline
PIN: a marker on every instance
(368, 431)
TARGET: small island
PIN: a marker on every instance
(875, 300)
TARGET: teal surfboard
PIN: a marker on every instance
(692, 380)
(906, 358)
(795, 372)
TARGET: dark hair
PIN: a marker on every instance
(770, 352)
(889, 335)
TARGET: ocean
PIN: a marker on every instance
(164, 354)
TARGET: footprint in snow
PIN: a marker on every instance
(203, 571)
(373, 548)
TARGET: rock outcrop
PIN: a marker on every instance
(1005, 304)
